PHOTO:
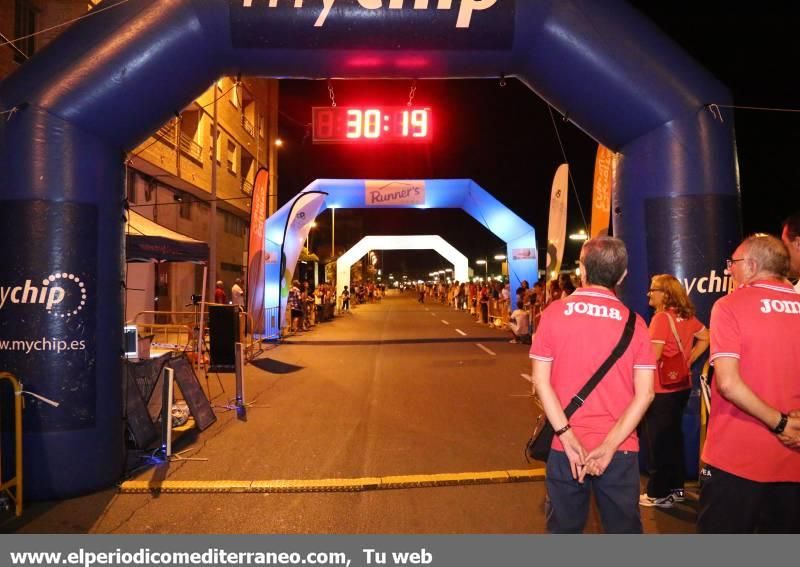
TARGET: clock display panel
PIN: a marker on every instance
(376, 124)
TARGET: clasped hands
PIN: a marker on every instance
(584, 462)
(791, 435)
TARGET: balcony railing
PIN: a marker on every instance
(191, 148)
(248, 126)
(166, 133)
(247, 187)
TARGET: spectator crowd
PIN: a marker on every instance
(641, 380)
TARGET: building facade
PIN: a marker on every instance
(194, 175)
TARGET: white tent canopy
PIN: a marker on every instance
(148, 241)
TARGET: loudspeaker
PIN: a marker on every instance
(223, 329)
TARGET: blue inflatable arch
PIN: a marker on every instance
(112, 79)
(288, 227)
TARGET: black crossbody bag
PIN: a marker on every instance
(538, 446)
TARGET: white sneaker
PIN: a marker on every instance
(667, 501)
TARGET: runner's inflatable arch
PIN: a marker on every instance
(288, 227)
(112, 79)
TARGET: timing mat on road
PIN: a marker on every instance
(331, 484)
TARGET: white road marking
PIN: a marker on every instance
(462, 333)
(480, 346)
(445, 322)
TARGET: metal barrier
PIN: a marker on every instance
(16, 482)
(169, 327)
(498, 312)
(178, 330)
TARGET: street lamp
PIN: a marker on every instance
(308, 235)
(500, 258)
(485, 266)
(333, 232)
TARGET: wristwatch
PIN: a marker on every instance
(778, 429)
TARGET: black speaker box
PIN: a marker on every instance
(223, 330)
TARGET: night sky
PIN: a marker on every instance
(503, 137)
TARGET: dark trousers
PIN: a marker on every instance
(663, 429)
(730, 504)
(616, 492)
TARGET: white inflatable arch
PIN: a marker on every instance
(414, 242)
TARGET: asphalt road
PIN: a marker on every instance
(394, 388)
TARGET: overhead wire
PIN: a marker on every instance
(13, 46)
(764, 108)
(62, 24)
(487, 225)
(571, 180)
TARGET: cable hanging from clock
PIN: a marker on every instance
(372, 123)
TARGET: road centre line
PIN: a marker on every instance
(460, 332)
(480, 346)
(445, 322)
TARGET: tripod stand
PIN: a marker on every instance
(198, 341)
(239, 404)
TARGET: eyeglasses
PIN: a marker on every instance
(729, 262)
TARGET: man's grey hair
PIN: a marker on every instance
(768, 254)
(605, 260)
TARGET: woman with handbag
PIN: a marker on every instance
(678, 339)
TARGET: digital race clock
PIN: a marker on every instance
(387, 124)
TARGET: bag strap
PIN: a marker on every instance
(675, 334)
(619, 350)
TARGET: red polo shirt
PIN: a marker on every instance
(577, 334)
(660, 332)
(758, 324)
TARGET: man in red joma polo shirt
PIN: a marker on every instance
(597, 449)
(752, 479)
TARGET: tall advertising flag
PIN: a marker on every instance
(557, 225)
(255, 251)
(605, 173)
(304, 210)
